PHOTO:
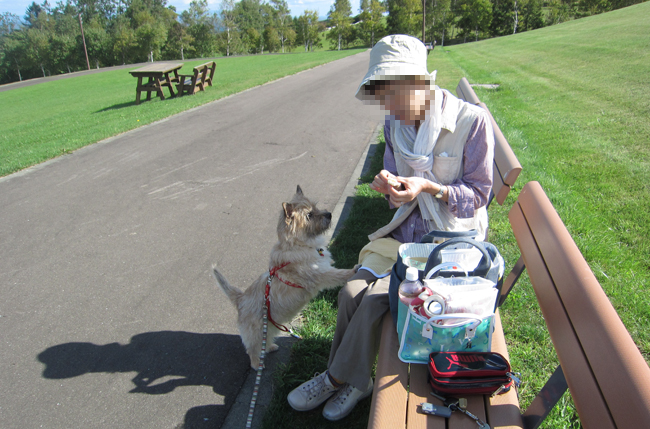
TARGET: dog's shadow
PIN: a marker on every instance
(162, 362)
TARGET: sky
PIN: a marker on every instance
(297, 7)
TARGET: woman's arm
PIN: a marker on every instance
(472, 191)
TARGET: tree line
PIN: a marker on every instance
(470, 20)
(81, 34)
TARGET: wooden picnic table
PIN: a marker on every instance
(159, 77)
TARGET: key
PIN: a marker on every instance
(435, 410)
(451, 403)
(481, 424)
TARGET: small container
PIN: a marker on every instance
(409, 289)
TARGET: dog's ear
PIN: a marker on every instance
(299, 190)
(288, 209)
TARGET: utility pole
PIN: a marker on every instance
(84, 39)
(423, 19)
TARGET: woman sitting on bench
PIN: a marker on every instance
(437, 172)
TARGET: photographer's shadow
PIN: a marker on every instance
(162, 361)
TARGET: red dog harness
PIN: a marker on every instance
(267, 300)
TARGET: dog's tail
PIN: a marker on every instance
(233, 293)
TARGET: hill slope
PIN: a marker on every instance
(574, 103)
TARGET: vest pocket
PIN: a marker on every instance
(446, 168)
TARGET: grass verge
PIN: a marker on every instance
(369, 212)
(44, 121)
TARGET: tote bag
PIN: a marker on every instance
(490, 266)
(422, 336)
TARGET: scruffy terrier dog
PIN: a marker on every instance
(304, 268)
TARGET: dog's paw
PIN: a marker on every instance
(272, 348)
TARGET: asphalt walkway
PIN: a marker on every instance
(109, 315)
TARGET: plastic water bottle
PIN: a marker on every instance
(410, 287)
(408, 290)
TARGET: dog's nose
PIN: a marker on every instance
(328, 215)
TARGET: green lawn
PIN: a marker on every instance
(573, 103)
(43, 121)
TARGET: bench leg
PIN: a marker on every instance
(545, 400)
(138, 91)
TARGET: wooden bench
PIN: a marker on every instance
(159, 75)
(506, 166)
(202, 76)
(606, 374)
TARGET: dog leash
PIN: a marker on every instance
(266, 316)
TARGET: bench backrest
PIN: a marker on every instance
(208, 71)
(608, 377)
(506, 166)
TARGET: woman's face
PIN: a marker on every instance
(406, 100)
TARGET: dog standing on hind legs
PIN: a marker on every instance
(300, 267)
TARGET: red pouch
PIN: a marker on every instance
(470, 373)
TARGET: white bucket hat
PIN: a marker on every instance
(396, 57)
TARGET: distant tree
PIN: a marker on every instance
(404, 17)
(228, 23)
(9, 23)
(150, 35)
(558, 12)
(440, 19)
(179, 42)
(475, 17)
(593, 7)
(284, 24)
(33, 11)
(123, 40)
(37, 48)
(307, 30)
(533, 17)
(504, 17)
(371, 25)
(9, 46)
(339, 17)
(197, 19)
(271, 39)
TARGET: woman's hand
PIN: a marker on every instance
(410, 189)
(380, 182)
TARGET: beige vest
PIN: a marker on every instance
(457, 119)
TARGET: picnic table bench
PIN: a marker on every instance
(191, 84)
(159, 76)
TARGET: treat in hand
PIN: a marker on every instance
(392, 181)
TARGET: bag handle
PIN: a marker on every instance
(464, 316)
(435, 258)
(453, 265)
(431, 235)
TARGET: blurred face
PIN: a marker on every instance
(406, 100)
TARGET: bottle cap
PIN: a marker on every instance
(412, 274)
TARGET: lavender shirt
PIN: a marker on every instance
(465, 195)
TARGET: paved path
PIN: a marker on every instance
(109, 316)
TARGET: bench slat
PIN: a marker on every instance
(503, 410)
(622, 375)
(419, 392)
(499, 189)
(465, 91)
(589, 402)
(389, 397)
